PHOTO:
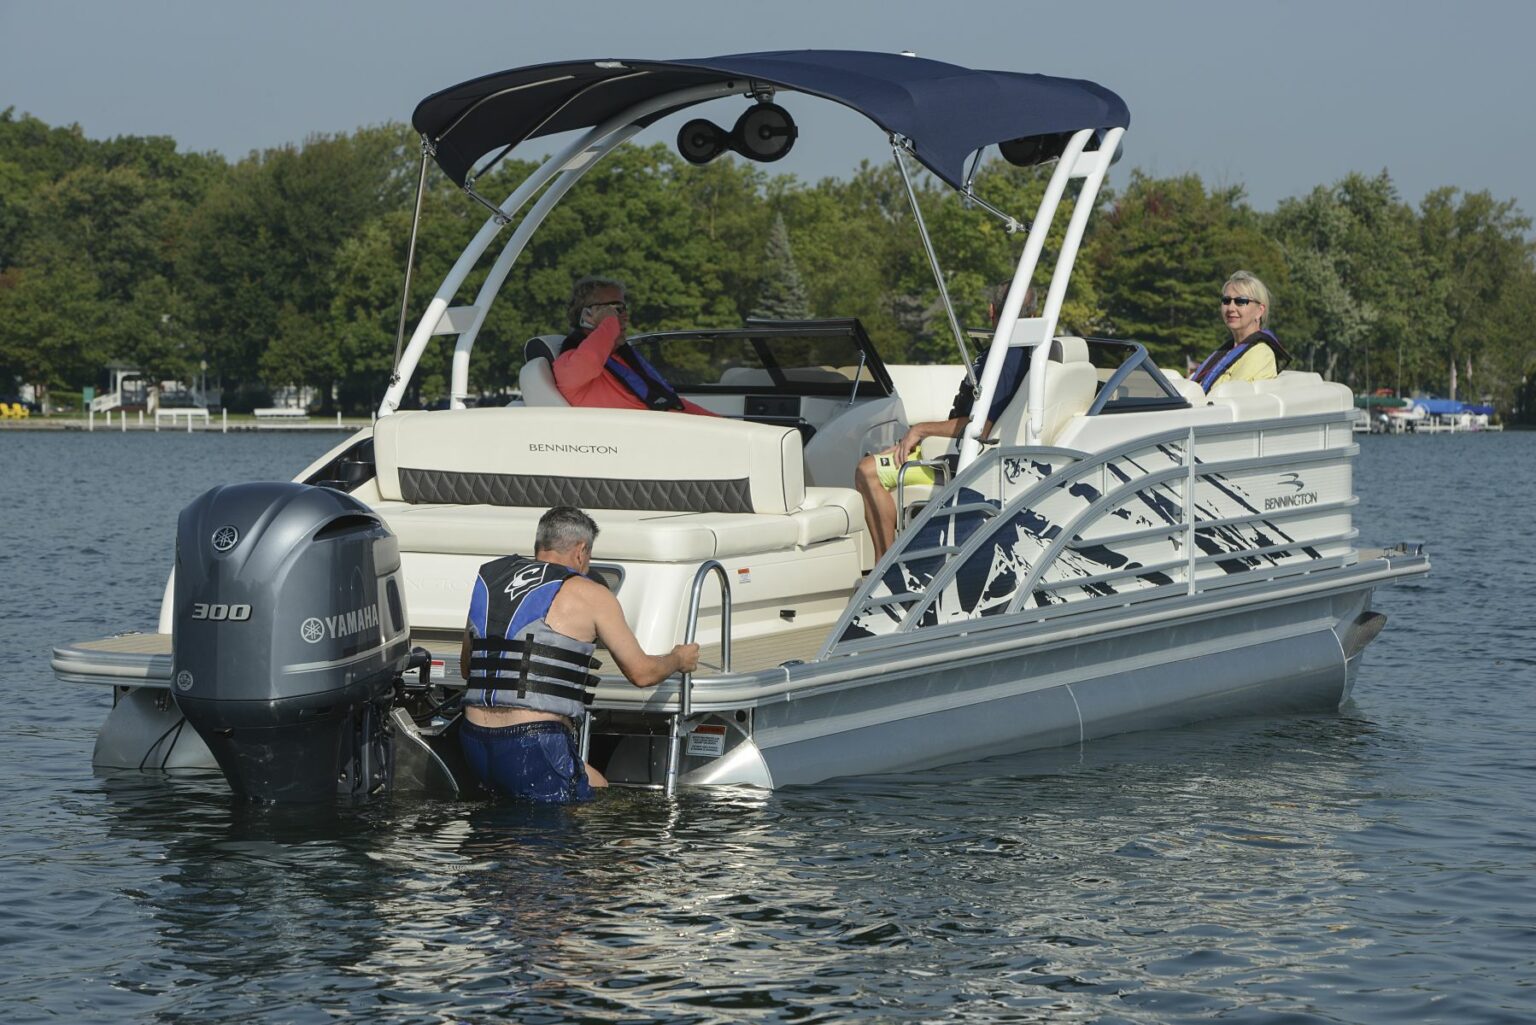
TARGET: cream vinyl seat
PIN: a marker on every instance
(537, 378)
(663, 488)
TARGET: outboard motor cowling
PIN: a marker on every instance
(289, 635)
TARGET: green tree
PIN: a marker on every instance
(1160, 256)
(781, 293)
(51, 325)
(92, 228)
(302, 352)
(1479, 266)
(262, 244)
(1366, 291)
(847, 245)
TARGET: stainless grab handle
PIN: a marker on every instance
(712, 566)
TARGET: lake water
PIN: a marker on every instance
(1377, 865)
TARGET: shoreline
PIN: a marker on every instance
(244, 426)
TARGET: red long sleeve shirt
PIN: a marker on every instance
(582, 374)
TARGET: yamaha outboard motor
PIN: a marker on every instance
(290, 634)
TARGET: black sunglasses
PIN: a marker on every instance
(619, 308)
(1241, 300)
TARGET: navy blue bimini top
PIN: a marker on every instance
(947, 112)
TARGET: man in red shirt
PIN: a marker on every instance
(597, 367)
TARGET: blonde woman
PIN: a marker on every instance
(1253, 353)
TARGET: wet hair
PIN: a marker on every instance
(583, 292)
(1247, 283)
(563, 526)
(998, 295)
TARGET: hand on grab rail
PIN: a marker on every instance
(687, 656)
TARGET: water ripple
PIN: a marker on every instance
(1378, 865)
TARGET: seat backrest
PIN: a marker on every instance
(1070, 385)
(926, 391)
(598, 458)
(1301, 392)
(537, 378)
(1189, 390)
(1069, 349)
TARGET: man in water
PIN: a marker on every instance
(527, 654)
(598, 367)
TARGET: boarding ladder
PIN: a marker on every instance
(675, 718)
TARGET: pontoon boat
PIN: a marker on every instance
(1125, 553)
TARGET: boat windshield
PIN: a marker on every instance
(822, 357)
(1129, 382)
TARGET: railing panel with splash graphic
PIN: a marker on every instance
(1025, 530)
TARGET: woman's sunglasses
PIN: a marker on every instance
(1241, 300)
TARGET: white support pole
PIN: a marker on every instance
(562, 161)
(1087, 199)
(459, 389)
(224, 419)
(122, 423)
(189, 423)
(970, 443)
(141, 418)
(573, 162)
(91, 421)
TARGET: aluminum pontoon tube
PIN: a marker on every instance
(725, 693)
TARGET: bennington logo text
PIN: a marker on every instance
(597, 450)
(316, 629)
(1290, 501)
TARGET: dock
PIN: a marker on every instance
(184, 421)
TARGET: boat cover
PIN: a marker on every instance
(1451, 407)
(947, 112)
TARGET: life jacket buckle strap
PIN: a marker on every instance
(526, 665)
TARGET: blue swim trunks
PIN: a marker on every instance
(535, 761)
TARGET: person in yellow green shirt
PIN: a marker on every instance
(1253, 353)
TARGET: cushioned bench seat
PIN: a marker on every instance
(662, 487)
(626, 533)
(1292, 393)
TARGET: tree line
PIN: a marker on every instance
(285, 267)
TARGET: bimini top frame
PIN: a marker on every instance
(938, 113)
(947, 112)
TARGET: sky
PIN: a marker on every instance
(1277, 97)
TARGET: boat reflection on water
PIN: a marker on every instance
(1125, 866)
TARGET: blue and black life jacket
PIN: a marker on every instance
(644, 380)
(1222, 360)
(516, 660)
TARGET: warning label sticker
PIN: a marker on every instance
(707, 741)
